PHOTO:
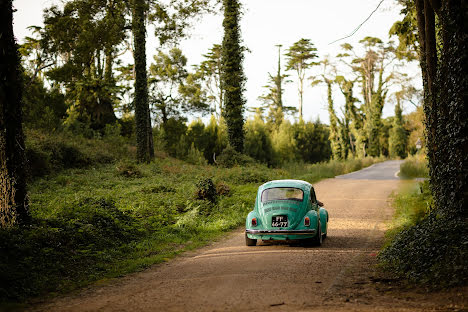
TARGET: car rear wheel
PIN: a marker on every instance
(317, 240)
(249, 241)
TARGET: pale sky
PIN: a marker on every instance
(266, 23)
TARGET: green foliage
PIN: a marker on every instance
(257, 142)
(210, 73)
(414, 167)
(43, 108)
(407, 31)
(300, 58)
(71, 245)
(104, 220)
(229, 158)
(144, 134)
(206, 190)
(78, 46)
(195, 157)
(174, 91)
(398, 136)
(312, 143)
(232, 75)
(426, 247)
(284, 144)
(128, 169)
(52, 152)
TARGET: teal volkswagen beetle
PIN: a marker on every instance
(286, 210)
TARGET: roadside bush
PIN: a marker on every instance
(433, 252)
(206, 190)
(424, 246)
(50, 254)
(414, 167)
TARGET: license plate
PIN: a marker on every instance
(279, 221)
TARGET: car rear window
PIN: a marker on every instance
(282, 193)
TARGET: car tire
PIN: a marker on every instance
(250, 241)
(317, 240)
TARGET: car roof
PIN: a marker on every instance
(286, 183)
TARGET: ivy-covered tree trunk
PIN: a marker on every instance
(398, 139)
(445, 88)
(145, 149)
(232, 76)
(13, 199)
(335, 133)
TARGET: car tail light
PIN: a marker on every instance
(254, 221)
(307, 221)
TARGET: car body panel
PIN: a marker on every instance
(296, 211)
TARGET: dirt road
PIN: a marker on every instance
(228, 276)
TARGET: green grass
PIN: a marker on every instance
(412, 203)
(422, 245)
(104, 219)
(414, 167)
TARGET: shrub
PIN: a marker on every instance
(433, 252)
(206, 190)
(223, 189)
(414, 167)
(128, 169)
(230, 158)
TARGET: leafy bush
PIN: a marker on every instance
(128, 169)
(414, 167)
(206, 190)
(424, 246)
(50, 253)
(230, 158)
(433, 252)
(222, 189)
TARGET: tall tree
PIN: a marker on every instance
(13, 200)
(144, 135)
(210, 73)
(273, 98)
(300, 58)
(371, 69)
(335, 136)
(174, 90)
(444, 61)
(232, 78)
(398, 139)
(81, 40)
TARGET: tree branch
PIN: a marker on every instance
(360, 25)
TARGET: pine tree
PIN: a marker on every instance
(398, 137)
(13, 200)
(300, 58)
(232, 78)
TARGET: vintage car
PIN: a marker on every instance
(286, 210)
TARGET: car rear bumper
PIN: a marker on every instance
(280, 232)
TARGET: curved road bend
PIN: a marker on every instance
(228, 276)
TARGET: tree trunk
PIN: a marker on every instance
(445, 85)
(232, 78)
(13, 200)
(145, 149)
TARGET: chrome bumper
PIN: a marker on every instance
(281, 232)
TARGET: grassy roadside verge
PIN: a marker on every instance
(108, 219)
(423, 246)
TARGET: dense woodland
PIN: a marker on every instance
(68, 89)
